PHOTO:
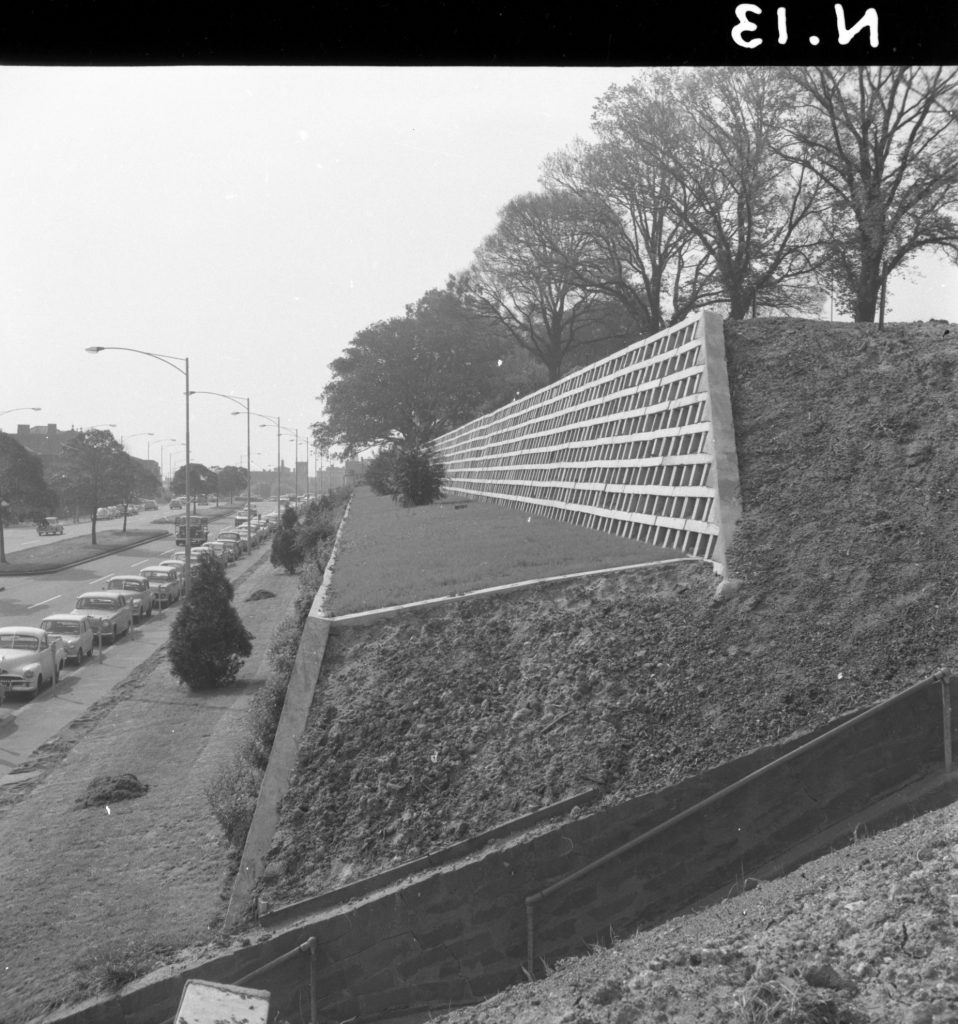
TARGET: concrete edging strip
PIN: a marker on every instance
(338, 622)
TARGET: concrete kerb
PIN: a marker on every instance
(354, 619)
(59, 566)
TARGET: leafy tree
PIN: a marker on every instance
(95, 460)
(526, 278)
(883, 141)
(132, 478)
(202, 480)
(23, 491)
(737, 180)
(208, 642)
(232, 480)
(411, 378)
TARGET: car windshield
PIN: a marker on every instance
(19, 642)
(125, 585)
(96, 602)
(60, 625)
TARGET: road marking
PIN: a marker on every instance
(99, 578)
(39, 603)
(142, 561)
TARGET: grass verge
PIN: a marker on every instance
(393, 555)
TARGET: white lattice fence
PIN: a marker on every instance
(640, 444)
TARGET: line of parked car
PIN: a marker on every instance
(32, 657)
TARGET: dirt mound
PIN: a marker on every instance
(104, 790)
(847, 552)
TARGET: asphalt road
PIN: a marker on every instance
(26, 600)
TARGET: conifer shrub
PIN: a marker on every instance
(412, 475)
(208, 641)
(417, 476)
(285, 551)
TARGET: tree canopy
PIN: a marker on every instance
(96, 463)
(411, 378)
(532, 277)
(202, 480)
(883, 142)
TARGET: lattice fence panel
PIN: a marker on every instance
(639, 444)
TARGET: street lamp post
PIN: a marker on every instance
(279, 457)
(142, 433)
(185, 370)
(249, 479)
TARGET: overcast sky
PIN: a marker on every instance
(254, 219)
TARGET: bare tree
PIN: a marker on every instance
(884, 143)
(717, 135)
(646, 256)
(527, 277)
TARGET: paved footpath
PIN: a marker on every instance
(83, 881)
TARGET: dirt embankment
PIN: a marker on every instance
(429, 731)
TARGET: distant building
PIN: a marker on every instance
(44, 441)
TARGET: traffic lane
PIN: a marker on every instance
(25, 600)
(30, 723)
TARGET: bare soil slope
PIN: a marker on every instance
(425, 732)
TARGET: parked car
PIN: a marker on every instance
(179, 564)
(110, 608)
(29, 658)
(176, 503)
(150, 506)
(238, 535)
(76, 632)
(137, 590)
(51, 526)
(218, 550)
(165, 583)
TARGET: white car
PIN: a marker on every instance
(138, 592)
(29, 659)
(165, 582)
(110, 609)
(76, 632)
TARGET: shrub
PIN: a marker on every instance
(208, 641)
(231, 794)
(418, 476)
(380, 472)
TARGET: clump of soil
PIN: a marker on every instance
(260, 595)
(111, 789)
(847, 553)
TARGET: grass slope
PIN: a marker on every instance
(428, 731)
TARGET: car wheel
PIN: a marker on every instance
(38, 687)
(113, 640)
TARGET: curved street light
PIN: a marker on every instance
(279, 457)
(172, 361)
(249, 478)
